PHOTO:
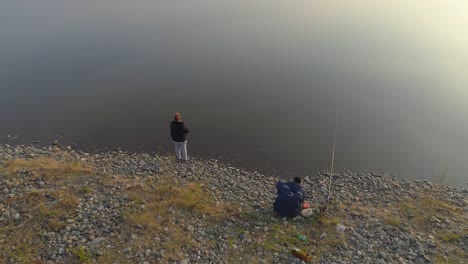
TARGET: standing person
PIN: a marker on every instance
(179, 133)
(290, 198)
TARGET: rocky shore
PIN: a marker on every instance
(58, 205)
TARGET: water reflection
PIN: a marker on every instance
(256, 82)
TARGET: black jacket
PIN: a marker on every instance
(179, 131)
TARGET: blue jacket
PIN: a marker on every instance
(289, 200)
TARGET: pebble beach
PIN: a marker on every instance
(60, 205)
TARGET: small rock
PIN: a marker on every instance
(97, 240)
(426, 258)
(323, 235)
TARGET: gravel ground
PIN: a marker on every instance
(373, 227)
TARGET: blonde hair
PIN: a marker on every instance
(176, 117)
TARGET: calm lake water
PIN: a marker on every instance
(257, 82)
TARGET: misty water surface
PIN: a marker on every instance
(256, 81)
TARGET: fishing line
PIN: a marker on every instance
(332, 159)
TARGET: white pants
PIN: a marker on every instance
(181, 150)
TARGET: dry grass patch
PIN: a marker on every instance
(448, 236)
(20, 244)
(157, 211)
(43, 210)
(53, 218)
(248, 258)
(393, 220)
(361, 210)
(193, 199)
(305, 235)
(48, 208)
(28, 200)
(45, 168)
(109, 256)
(423, 213)
(454, 256)
(325, 224)
(421, 210)
(24, 240)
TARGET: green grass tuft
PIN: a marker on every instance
(86, 190)
(81, 253)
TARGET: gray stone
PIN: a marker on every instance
(97, 240)
(340, 228)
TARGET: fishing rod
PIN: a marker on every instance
(332, 160)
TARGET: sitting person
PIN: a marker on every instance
(290, 198)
